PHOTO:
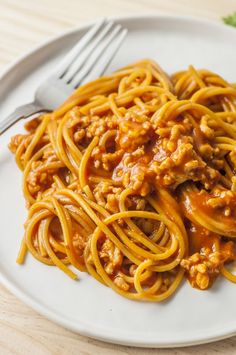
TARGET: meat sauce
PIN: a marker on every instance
(208, 250)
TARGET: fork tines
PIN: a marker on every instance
(93, 53)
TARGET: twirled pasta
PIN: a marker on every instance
(126, 180)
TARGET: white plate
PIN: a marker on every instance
(85, 306)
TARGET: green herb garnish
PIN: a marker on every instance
(230, 20)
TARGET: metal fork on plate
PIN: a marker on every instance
(87, 60)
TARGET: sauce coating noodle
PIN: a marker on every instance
(133, 180)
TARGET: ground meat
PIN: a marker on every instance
(134, 131)
(38, 180)
(148, 151)
(182, 165)
(168, 156)
(85, 127)
(222, 199)
(80, 241)
(79, 135)
(33, 124)
(40, 176)
(111, 256)
(107, 196)
(121, 283)
(104, 160)
(17, 140)
(202, 268)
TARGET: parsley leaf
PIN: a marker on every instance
(230, 20)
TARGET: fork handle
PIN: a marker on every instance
(20, 112)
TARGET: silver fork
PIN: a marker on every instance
(87, 60)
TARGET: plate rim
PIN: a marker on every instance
(44, 310)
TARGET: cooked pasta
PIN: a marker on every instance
(133, 180)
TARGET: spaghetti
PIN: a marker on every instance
(133, 180)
